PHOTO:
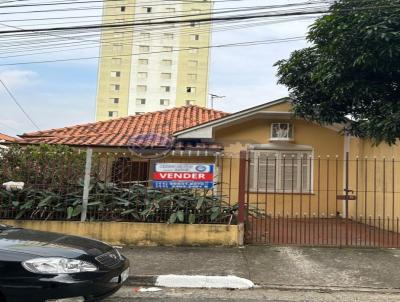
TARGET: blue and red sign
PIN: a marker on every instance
(183, 176)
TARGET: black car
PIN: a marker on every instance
(41, 266)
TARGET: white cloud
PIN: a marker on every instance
(17, 78)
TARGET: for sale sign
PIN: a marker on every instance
(183, 176)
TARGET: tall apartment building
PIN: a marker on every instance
(152, 66)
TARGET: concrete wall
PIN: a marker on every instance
(126, 233)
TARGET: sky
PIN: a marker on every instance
(64, 93)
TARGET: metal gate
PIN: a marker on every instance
(295, 198)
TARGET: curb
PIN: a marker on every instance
(191, 281)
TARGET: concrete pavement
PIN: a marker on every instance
(274, 267)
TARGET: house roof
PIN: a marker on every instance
(205, 130)
(7, 138)
(154, 129)
(187, 132)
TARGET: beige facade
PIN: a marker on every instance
(149, 67)
(304, 174)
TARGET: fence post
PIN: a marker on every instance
(242, 195)
(86, 184)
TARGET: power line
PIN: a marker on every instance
(150, 22)
(18, 104)
(241, 44)
(232, 18)
(54, 47)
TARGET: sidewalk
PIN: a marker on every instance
(273, 267)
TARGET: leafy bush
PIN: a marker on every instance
(53, 177)
(108, 202)
(52, 167)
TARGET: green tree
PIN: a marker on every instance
(352, 70)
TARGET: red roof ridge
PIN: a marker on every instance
(49, 133)
(119, 131)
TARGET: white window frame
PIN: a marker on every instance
(164, 102)
(280, 164)
(113, 114)
(115, 101)
(140, 101)
(286, 139)
(115, 74)
(115, 87)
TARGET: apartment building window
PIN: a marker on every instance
(123, 8)
(143, 62)
(166, 76)
(193, 50)
(167, 49)
(195, 37)
(193, 63)
(166, 62)
(170, 9)
(147, 9)
(114, 100)
(190, 102)
(117, 47)
(142, 75)
(192, 77)
(115, 74)
(191, 90)
(168, 36)
(164, 102)
(141, 88)
(144, 48)
(112, 113)
(166, 88)
(115, 87)
(140, 101)
(145, 35)
(116, 61)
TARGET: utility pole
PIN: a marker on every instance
(215, 96)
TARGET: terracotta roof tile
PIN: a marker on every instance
(7, 138)
(153, 129)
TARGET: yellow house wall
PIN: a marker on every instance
(327, 167)
(374, 173)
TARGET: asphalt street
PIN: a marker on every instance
(128, 294)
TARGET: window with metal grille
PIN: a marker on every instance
(126, 170)
(281, 171)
